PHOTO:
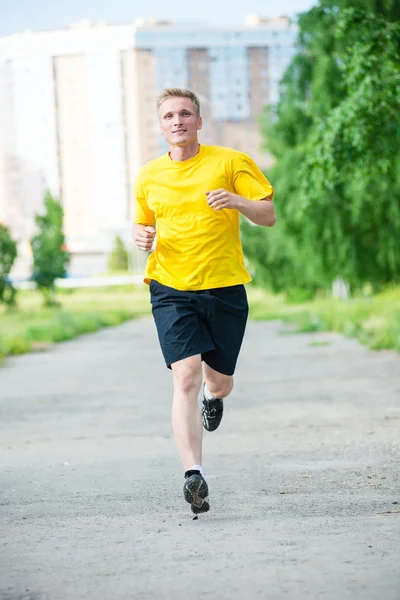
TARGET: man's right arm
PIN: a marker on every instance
(144, 236)
(144, 230)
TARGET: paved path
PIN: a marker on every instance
(305, 460)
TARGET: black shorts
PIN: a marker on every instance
(207, 322)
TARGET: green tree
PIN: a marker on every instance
(50, 257)
(336, 169)
(118, 260)
(8, 254)
(352, 155)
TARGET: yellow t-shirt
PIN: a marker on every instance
(197, 247)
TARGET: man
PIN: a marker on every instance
(191, 198)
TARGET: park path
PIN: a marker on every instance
(304, 466)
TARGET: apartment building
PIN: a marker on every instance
(77, 115)
(234, 70)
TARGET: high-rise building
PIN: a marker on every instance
(77, 115)
(234, 70)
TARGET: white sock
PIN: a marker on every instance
(207, 394)
(197, 468)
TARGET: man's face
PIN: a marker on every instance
(178, 121)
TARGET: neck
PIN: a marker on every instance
(180, 153)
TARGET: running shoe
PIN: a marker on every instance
(195, 492)
(211, 413)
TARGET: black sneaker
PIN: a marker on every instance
(211, 413)
(195, 492)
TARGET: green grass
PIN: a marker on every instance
(373, 320)
(32, 327)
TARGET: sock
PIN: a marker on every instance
(196, 468)
(207, 394)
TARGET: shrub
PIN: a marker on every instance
(119, 260)
(50, 257)
(8, 254)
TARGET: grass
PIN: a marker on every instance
(316, 344)
(375, 321)
(32, 327)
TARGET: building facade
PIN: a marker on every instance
(77, 116)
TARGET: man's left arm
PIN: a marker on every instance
(260, 212)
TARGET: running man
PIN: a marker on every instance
(191, 198)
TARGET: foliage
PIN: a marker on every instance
(352, 169)
(272, 260)
(335, 136)
(8, 254)
(118, 260)
(50, 257)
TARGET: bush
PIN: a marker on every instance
(8, 254)
(50, 257)
(119, 260)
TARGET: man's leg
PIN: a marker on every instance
(218, 384)
(188, 430)
(186, 420)
(225, 311)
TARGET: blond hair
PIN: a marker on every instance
(179, 93)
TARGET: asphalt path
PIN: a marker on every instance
(303, 474)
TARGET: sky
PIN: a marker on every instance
(19, 15)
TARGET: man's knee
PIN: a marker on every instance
(220, 386)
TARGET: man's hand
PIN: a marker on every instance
(144, 237)
(221, 198)
(260, 212)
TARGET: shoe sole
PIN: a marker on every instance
(196, 493)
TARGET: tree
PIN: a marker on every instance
(119, 260)
(8, 254)
(334, 135)
(50, 257)
(352, 155)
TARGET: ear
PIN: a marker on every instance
(199, 124)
